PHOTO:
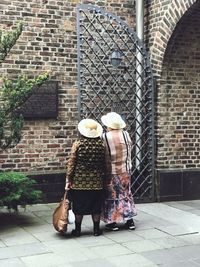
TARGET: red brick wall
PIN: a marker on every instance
(178, 124)
(48, 43)
(163, 18)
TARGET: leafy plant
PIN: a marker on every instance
(17, 189)
(13, 94)
(8, 40)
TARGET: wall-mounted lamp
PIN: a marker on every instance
(116, 58)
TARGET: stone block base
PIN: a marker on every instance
(176, 185)
(52, 185)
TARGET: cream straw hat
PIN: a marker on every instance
(90, 128)
(113, 120)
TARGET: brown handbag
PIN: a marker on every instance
(60, 215)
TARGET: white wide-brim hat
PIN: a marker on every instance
(113, 120)
(90, 128)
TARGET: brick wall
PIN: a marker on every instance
(179, 97)
(48, 42)
(163, 18)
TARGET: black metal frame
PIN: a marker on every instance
(104, 87)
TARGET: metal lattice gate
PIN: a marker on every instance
(114, 74)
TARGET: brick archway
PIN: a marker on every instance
(164, 30)
(178, 95)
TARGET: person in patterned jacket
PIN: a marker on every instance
(86, 172)
(118, 204)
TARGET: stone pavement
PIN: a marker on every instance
(167, 235)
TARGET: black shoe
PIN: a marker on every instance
(76, 233)
(97, 232)
(130, 225)
(112, 226)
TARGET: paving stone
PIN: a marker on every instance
(62, 255)
(2, 244)
(38, 207)
(131, 260)
(93, 263)
(163, 256)
(52, 205)
(193, 204)
(18, 237)
(176, 230)
(43, 213)
(92, 241)
(79, 254)
(62, 241)
(197, 261)
(22, 250)
(181, 264)
(179, 205)
(169, 242)
(152, 244)
(146, 221)
(30, 220)
(50, 260)
(174, 215)
(109, 251)
(39, 228)
(190, 239)
(154, 223)
(151, 233)
(195, 211)
(125, 236)
(188, 252)
(5, 230)
(45, 236)
(46, 219)
(12, 263)
(142, 245)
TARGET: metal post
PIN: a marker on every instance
(139, 59)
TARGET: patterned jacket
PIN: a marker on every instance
(86, 168)
(119, 145)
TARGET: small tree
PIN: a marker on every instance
(13, 94)
(17, 189)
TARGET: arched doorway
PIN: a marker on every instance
(178, 111)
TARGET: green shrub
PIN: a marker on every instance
(17, 189)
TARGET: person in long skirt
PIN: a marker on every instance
(86, 173)
(118, 205)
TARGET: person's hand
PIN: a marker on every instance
(67, 186)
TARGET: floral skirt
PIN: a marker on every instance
(118, 205)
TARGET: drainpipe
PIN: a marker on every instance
(139, 63)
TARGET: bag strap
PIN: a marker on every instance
(106, 139)
(65, 195)
(127, 149)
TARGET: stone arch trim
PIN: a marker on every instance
(176, 9)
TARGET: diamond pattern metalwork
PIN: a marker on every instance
(126, 89)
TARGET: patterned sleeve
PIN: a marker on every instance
(71, 163)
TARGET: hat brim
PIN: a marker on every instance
(90, 133)
(107, 121)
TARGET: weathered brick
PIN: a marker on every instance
(49, 42)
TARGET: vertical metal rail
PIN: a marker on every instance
(79, 63)
(139, 70)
